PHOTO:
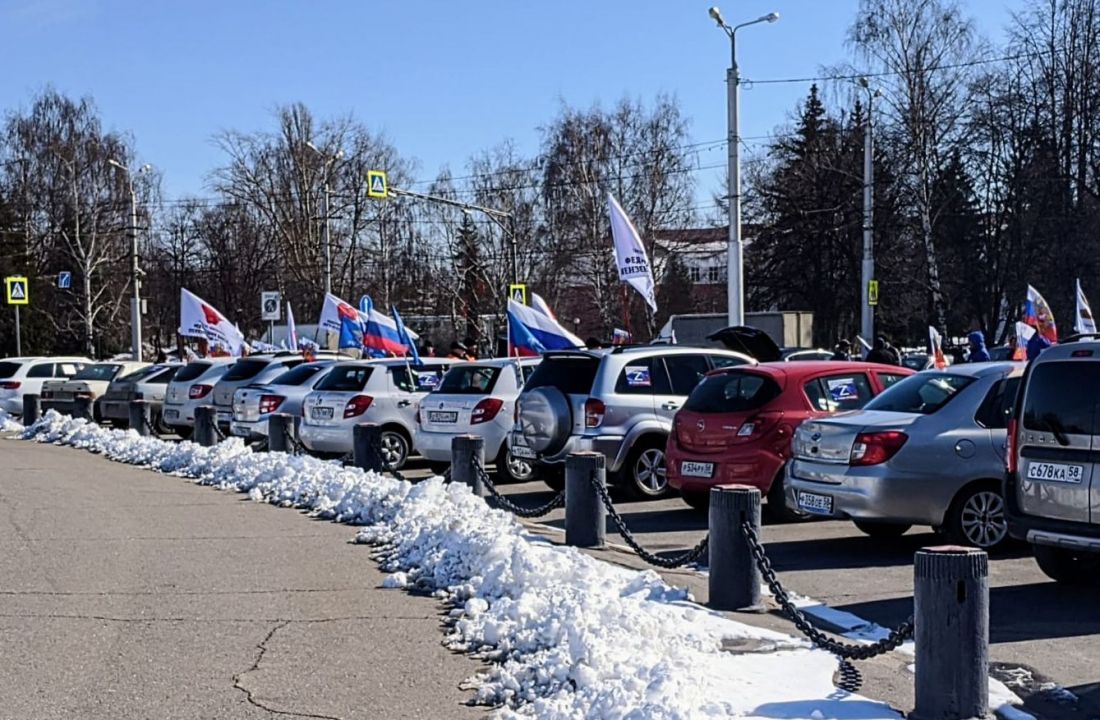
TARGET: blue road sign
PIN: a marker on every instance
(64, 280)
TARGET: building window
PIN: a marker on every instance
(696, 274)
(715, 274)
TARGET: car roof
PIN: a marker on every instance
(1064, 351)
(499, 362)
(394, 362)
(630, 350)
(803, 368)
(981, 369)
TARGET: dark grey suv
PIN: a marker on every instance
(619, 402)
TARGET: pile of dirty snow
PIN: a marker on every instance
(8, 423)
(568, 636)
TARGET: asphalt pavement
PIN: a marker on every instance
(129, 594)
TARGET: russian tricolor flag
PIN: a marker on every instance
(531, 332)
(380, 335)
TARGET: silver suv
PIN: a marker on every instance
(1052, 484)
(619, 402)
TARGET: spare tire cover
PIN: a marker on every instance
(545, 419)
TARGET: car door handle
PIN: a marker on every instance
(670, 406)
(404, 403)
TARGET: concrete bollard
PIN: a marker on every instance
(140, 417)
(464, 449)
(205, 434)
(734, 580)
(585, 514)
(278, 428)
(32, 409)
(367, 444)
(951, 618)
(83, 408)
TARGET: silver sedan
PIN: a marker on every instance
(927, 451)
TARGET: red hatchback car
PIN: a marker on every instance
(736, 425)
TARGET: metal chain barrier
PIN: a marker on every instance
(846, 651)
(555, 502)
(296, 448)
(218, 431)
(675, 561)
(149, 426)
(849, 677)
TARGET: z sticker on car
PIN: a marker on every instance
(842, 389)
(638, 376)
(427, 380)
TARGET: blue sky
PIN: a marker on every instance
(442, 79)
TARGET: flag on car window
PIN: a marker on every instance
(935, 348)
(1085, 323)
(1037, 314)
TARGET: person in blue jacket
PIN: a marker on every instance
(978, 353)
(1035, 345)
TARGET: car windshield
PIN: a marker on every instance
(922, 394)
(97, 372)
(469, 380)
(572, 374)
(8, 369)
(245, 369)
(191, 370)
(298, 375)
(345, 378)
(732, 392)
(1061, 398)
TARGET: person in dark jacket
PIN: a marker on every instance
(978, 352)
(842, 351)
(1035, 345)
(883, 353)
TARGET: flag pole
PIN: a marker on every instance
(626, 311)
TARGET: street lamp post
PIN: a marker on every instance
(135, 271)
(329, 161)
(735, 288)
(867, 311)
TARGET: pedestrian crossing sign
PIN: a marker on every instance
(518, 292)
(18, 293)
(376, 184)
(872, 292)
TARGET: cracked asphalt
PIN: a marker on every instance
(128, 594)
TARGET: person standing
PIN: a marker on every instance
(978, 351)
(883, 353)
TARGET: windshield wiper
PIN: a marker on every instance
(1056, 428)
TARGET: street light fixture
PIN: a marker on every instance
(329, 161)
(735, 290)
(135, 271)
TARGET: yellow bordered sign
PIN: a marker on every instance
(872, 292)
(18, 290)
(376, 184)
(518, 292)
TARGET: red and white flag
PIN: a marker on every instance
(200, 319)
(935, 344)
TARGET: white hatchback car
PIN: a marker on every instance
(386, 392)
(476, 398)
(20, 376)
(90, 383)
(190, 388)
(254, 404)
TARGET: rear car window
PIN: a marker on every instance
(1061, 397)
(414, 380)
(922, 394)
(732, 392)
(348, 378)
(165, 376)
(191, 371)
(138, 375)
(8, 369)
(573, 375)
(245, 369)
(835, 393)
(297, 376)
(469, 380)
(997, 406)
(97, 372)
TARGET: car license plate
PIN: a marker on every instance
(224, 418)
(1055, 472)
(442, 416)
(171, 414)
(696, 469)
(239, 430)
(321, 413)
(816, 504)
(520, 449)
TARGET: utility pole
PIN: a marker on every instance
(867, 311)
(735, 286)
(330, 160)
(135, 270)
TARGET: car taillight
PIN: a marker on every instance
(1010, 446)
(876, 448)
(593, 412)
(270, 403)
(357, 405)
(486, 410)
(199, 391)
(9, 385)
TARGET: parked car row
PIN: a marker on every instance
(981, 452)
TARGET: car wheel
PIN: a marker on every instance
(1068, 567)
(697, 500)
(776, 508)
(513, 469)
(875, 529)
(977, 518)
(645, 470)
(395, 449)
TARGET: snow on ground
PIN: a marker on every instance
(8, 423)
(568, 636)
